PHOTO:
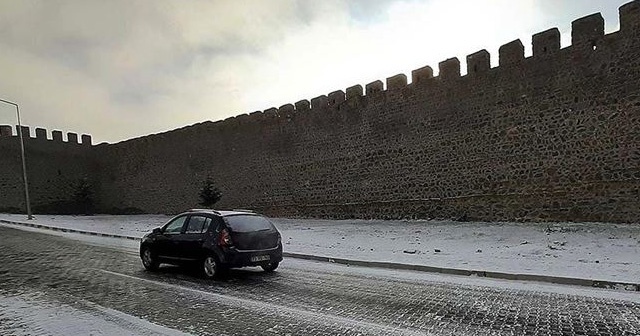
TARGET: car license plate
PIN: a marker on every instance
(259, 258)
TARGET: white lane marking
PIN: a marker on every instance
(279, 309)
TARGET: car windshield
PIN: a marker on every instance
(248, 223)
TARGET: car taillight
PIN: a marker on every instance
(225, 238)
(279, 239)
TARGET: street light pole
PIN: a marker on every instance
(24, 163)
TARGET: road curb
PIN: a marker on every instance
(626, 286)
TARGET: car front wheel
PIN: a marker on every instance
(270, 267)
(149, 260)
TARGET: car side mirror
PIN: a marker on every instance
(156, 230)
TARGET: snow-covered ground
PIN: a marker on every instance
(34, 314)
(599, 251)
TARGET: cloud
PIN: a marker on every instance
(120, 69)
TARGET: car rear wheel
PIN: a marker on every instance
(149, 260)
(211, 267)
(270, 267)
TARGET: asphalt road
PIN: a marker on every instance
(300, 298)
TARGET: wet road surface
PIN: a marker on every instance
(300, 298)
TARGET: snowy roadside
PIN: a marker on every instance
(597, 251)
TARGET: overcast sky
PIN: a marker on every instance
(120, 69)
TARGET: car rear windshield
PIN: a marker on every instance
(248, 223)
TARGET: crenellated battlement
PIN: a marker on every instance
(319, 103)
(374, 88)
(449, 69)
(397, 82)
(336, 97)
(546, 43)
(630, 17)
(6, 131)
(587, 31)
(478, 62)
(354, 91)
(302, 105)
(586, 34)
(511, 53)
(422, 75)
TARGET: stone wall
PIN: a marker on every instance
(552, 136)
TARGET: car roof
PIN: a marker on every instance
(223, 213)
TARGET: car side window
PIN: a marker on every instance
(207, 222)
(175, 226)
(198, 224)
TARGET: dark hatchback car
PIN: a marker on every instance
(215, 241)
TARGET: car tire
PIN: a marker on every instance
(149, 259)
(211, 267)
(270, 267)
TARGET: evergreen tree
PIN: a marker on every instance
(83, 197)
(209, 194)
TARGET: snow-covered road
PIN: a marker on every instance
(51, 283)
